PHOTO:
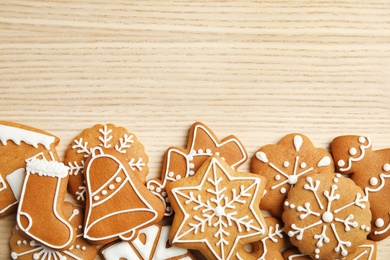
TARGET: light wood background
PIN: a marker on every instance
(258, 70)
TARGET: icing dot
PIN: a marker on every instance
(386, 167)
(353, 151)
(368, 229)
(363, 227)
(169, 208)
(292, 206)
(158, 189)
(303, 165)
(24, 242)
(111, 187)
(286, 203)
(200, 151)
(191, 173)
(166, 199)
(14, 255)
(191, 165)
(118, 179)
(219, 211)
(335, 180)
(286, 164)
(78, 246)
(19, 242)
(338, 175)
(36, 256)
(178, 177)
(104, 192)
(84, 248)
(327, 217)
(362, 139)
(170, 174)
(292, 179)
(80, 226)
(208, 151)
(317, 251)
(150, 188)
(283, 190)
(96, 197)
(341, 163)
(164, 194)
(379, 222)
(374, 181)
(277, 177)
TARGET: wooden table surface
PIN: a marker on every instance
(258, 70)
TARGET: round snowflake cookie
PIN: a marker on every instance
(107, 136)
(327, 216)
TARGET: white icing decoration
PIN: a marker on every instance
(351, 159)
(298, 141)
(352, 151)
(15, 181)
(106, 137)
(286, 164)
(325, 161)
(3, 185)
(283, 190)
(362, 139)
(97, 152)
(262, 157)
(303, 165)
(327, 216)
(214, 196)
(341, 163)
(18, 135)
(386, 167)
(369, 251)
(197, 131)
(277, 177)
(162, 252)
(273, 235)
(379, 222)
(124, 143)
(145, 250)
(47, 168)
(139, 164)
(374, 181)
(118, 251)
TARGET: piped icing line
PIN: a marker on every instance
(47, 168)
(18, 135)
(351, 159)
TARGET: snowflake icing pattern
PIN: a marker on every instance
(221, 211)
(327, 216)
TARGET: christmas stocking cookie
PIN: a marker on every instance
(18, 143)
(40, 212)
(371, 171)
(118, 204)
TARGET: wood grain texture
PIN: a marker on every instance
(255, 69)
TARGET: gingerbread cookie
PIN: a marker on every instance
(326, 216)
(283, 164)
(371, 171)
(180, 163)
(118, 204)
(18, 143)
(25, 248)
(151, 243)
(40, 213)
(217, 210)
(367, 251)
(269, 247)
(106, 136)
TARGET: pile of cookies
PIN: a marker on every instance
(298, 202)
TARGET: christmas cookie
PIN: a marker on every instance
(25, 248)
(371, 171)
(40, 213)
(151, 243)
(217, 210)
(326, 216)
(283, 164)
(18, 143)
(180, 163)
(269, 247)
(118, 204)
(367, 251)
(106, 136)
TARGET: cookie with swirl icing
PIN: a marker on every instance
(284, 163)
(370, 170)
(327, 216)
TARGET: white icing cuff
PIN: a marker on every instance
(47, 168)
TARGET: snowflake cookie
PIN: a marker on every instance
(25, 248)
(269, 247)
(151, 243)
(371, 171)
(106, 136)
(18, 143)
(366, 251)
(217, 210)
(180, 163)
(284, 163)
(326, 216)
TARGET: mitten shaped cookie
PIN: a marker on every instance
(118, 204)
(107, 136)
(217, 210)
(371, 171)
(284, 163)
(18, 143)
(181, 163)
